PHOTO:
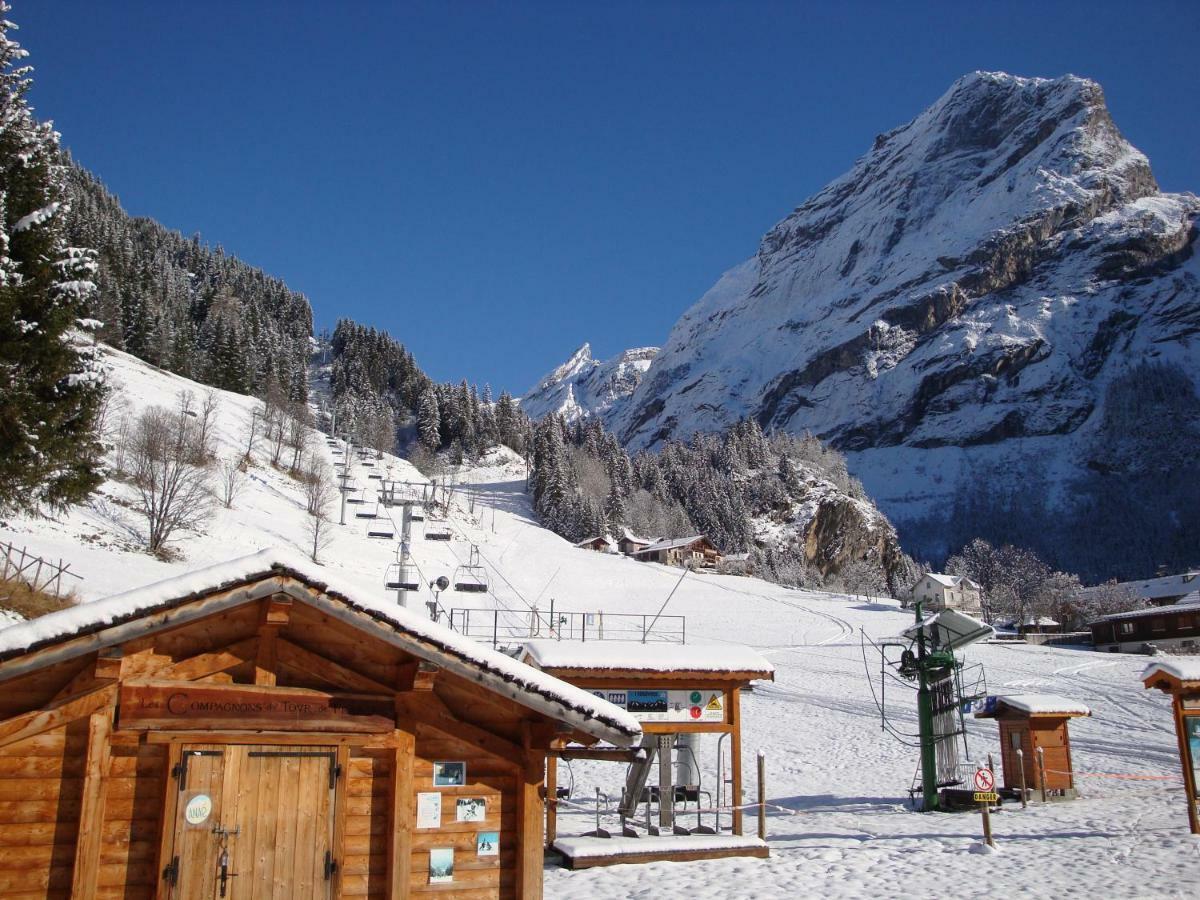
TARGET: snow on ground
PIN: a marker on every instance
(839, 826)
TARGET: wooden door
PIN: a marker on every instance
(268, 832)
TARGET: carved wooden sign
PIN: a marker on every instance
(211, 707)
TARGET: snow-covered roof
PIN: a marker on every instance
(1189, 602)
(631, 656)
(1155, 588)
(1044, 705)
(628, 535)
(672, 543)
(535, 689)
(592, 540)
(1040, 620)
(1185, 669)
(951, 581)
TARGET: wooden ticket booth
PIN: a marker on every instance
(253, 731)
(674, 691)
(1036, 725)
(1180, 677)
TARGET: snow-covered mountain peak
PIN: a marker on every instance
(583, 387)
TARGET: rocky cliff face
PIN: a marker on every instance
(962, 301)
(583, 387)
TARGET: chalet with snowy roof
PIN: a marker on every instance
(1180, 678)
(261, 723)
(629, 543)
(696, 551)
(1164, 627)
(600, 544)
(936, 591)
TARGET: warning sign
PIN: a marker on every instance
(984, 780)
(714, 704)
(986, 797)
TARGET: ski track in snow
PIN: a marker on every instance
(848, 831)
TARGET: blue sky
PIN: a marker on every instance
(496, 183)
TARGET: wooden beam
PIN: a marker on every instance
(277, 610)
(263, 736)
(264, 658)
(428, 709)
(613, 755)
(91, 812)
(40, 720)
(339, 818)
(403, 800)
(425, 676)
(205, 664)
(295, 656)
(552, 797)
(530, 822)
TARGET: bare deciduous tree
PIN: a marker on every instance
(232, 475)
(173, 491)
(206, 423)
(319, 491)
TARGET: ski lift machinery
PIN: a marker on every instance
(471, 578)
(923, 659)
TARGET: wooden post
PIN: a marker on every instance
(736, 761)
(1021, 763)
(402, 802)
(1041, 764)
(987, 823)
(91, 811)
(1185, 757)
(551, 800)
(762, 796)
(530, 817)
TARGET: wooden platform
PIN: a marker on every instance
(589, 852)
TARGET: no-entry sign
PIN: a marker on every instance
(984, 780)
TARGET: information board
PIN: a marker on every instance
(694, 705)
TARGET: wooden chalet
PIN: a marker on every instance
(629, 544)
(1180, 678)
(1036, 724)
(1177, 625)
(251, 730)
(673, 690)
(697, 551)
(600, 544)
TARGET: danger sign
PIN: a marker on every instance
(984, 780)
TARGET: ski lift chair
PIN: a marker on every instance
(357, 500)
(471, 577)
(391, 580)
(437, 529)
(369, 512)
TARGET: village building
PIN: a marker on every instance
(687, 699)
(629, 543)
(696, 551)
(1035, 746)
(1164, 627)
(259, 729)
(600, 544)
(1180, 678)
(1166, 590)
(936, 591)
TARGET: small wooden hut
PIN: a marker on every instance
(1032, 723)
(254, 729)
(672, 690)
(599, 543)
(1180, 677)
(697, 551)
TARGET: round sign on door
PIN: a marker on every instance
(198, 809)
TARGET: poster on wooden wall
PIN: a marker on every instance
(449, 774)
(471, 809)
(429, 810)
(441, 865)
(487, 843)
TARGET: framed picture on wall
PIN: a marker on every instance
(449, 774)
(471, 809)
(441, 865)
(487, 843)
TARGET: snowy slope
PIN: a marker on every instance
(583, 387)
(962, 298)
(827, 760)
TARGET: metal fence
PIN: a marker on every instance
(500, 626)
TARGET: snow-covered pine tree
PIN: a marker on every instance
(429, 419)
(49, 390)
